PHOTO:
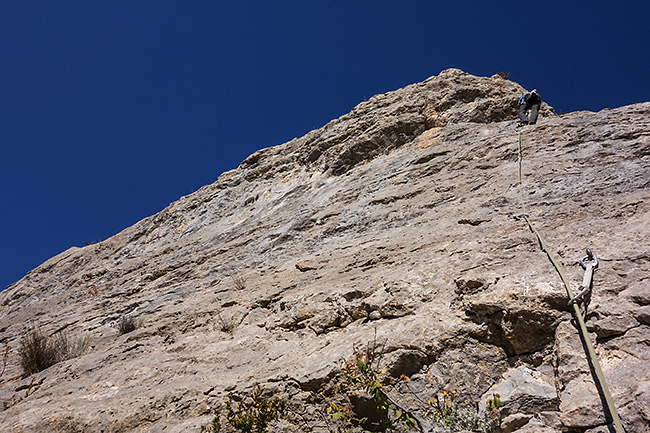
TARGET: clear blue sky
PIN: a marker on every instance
(111, 110)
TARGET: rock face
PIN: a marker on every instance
(398, 223)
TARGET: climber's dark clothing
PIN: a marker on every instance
(530, 101)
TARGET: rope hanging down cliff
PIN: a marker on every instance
(591, 352)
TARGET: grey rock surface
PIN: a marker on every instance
(398, 223)
(525, 391)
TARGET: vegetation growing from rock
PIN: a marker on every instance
(226, 323)
(128, 324)
(5, 356)
(445, 410)
(38, 351)
(253, 414)
(29, 390)
(363, 374)
(239, 282)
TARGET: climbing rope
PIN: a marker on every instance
(586, 285)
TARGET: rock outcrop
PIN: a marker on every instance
(398, 223)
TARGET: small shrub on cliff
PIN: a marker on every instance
(253, 414)
(5, 356)
(239, 282)
(226, 323)
(215, 425)
(445, 410)
(68, 348)
(127, 324)
(363, 373)
(29, 390)
(38, 351)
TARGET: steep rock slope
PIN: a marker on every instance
(399, 223)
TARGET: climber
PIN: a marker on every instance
(530, 101)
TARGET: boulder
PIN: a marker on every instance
(524, 391)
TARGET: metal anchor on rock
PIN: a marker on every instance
(589, 263)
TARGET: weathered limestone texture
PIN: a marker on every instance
(398, 223)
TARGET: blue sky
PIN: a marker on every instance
(109, 111)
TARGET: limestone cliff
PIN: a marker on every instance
(398, 223)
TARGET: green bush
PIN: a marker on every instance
(361, 398)
(253, 414)
(363, 373)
